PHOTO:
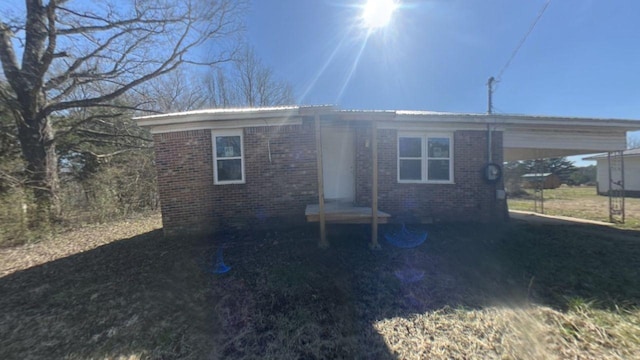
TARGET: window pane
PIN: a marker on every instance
(228, 146)
(410, 147)
(438, 147)
(229, 170)
(410, 169)
(438, 170)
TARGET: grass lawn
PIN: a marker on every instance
(581, 202)
(512, 291)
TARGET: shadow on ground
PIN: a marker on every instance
(138, 297)
(307, 303)
(284, 298)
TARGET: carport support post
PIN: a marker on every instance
(374, 245)
(323, 244)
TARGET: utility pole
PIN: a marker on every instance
(490, 95)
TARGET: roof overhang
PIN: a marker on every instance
(227, 118)
(631, 153)
(524, 137)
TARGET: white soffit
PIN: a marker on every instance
(526, 144)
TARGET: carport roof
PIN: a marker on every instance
(626, 153)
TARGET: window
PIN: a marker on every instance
(425, 158)
(228, 157)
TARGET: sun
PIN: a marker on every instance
(377, 14)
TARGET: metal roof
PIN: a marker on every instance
(538, 175)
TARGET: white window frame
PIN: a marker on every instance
(425, 136)
(222, 133)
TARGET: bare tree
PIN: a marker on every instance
(221, 93)
(177, 91)
(243, 82)
(257, 84)
(77, 55)
(247, 83)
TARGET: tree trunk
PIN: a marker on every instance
(38, 148)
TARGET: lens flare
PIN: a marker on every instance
(378, 13)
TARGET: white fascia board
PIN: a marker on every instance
(431, 126)
(605, 156)
(498, 122)
(565, 140)
(537, 121)
(215, 115)
(445, 118)
(356, 115)
(230, 118)
(517, 120)
(224, 124)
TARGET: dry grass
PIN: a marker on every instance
(531, 332)
(500, 292)
(581, 202)
(74, 241)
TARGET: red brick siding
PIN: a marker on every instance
(275, 191)
(185, 178)
(468, 199)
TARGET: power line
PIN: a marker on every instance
(490, 84)
(515, 51)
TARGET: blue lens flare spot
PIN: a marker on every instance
(219, 266)
(406, 238)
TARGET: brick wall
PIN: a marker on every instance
(276, 191)
(469, 198)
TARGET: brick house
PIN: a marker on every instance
(258, 167)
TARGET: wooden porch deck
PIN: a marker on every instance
(342, 213)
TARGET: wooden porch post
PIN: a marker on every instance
(374, 187)
(323, 244)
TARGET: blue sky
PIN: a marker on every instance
(582, 58)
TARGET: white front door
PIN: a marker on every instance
(338, 163)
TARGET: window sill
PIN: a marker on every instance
(229, 182)
(426, 182)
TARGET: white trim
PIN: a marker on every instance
(604, 139)
(424, 158)
(389, 119)
(216, 114)
(224, 124)
(433, 126)
(222, 133)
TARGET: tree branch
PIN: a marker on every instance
(88, 119)
(103, 156)
(100, 133)
(49, 52)
(8, 57)
(109, 25)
